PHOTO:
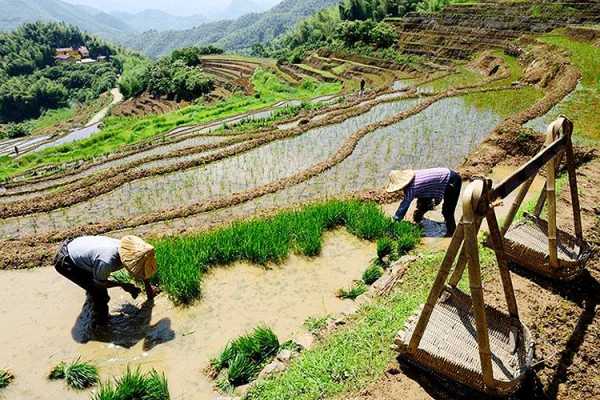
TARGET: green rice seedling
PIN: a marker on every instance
(371, 274)
(244, 356)
(183, 260)
(122, 276)
(356, 290)
(78, 375)
(6, 377)
(135, 385)
(385, 246)
(316, 324)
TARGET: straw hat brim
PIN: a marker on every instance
(137, 257)
(398, 180)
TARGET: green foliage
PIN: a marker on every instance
(6, 377)
(433, 6)
(385, 246)
(244, 356)
(79, 375)
(134, 79)
(176, 79)
(135, 385)
(406, 235)
(353, 292)
(32, 82)
(17, 130)
(353, 10)
(191, 55)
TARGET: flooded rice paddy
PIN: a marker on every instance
(48, 323)
(248, 170)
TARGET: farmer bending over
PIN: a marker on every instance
(88, 261)
(429, 187)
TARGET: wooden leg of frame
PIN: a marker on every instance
(437, 288)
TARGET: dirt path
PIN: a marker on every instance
(564, 319)
(117, 98)
(44, 326)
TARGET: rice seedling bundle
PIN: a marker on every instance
(6, 377)
(135, 385)
(78, 375)
(371, 274)
(244, 356)
(352, 293)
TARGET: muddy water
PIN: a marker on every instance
(257, 167)
(540, 124)
(43, 323)
(443, 134)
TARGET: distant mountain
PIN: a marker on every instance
(237, 34)
(237, 8)
(16, 12)
(158, 20)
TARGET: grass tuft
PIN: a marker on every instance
(78, 375)
(6, 377)
(316, 324)
(244, 356)
(135, 385)
(372, 273)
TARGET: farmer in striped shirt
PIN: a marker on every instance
(429, 187)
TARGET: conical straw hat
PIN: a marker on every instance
(399, 180)
(138, 257)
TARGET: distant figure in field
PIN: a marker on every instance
(16, 150)
(429, 187)
(362, 87)
(88, 262)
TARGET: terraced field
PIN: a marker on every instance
(191, 177)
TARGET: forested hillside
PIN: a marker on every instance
(32, 81)
(239, 34)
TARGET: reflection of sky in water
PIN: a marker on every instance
(254, 168)
(441, 135)
(540, 124)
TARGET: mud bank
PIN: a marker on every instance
(48, 325)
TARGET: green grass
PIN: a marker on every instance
(360, 352)
(120, 131)
(582, 106)
(506, 102)
(135, 385)
(6, 377)
(78, 375)
(244, 356)
(182, 260)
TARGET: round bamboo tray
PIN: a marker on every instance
(449, 345)
(526, 244)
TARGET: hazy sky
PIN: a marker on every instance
(176, 7)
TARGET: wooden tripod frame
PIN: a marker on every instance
(477, 201)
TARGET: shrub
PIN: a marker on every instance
(371, 274)
(244, 356)
(14, 131)
(6, 377)
(78, 375)
(135, 385)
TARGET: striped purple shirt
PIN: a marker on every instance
(428, 183)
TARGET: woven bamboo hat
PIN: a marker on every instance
(399, 180)
(138, 257)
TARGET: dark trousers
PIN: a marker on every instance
(451, 197)
(84, 279)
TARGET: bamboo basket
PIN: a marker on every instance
(526, 244)
(449, 346)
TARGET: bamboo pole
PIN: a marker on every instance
(551, 199)
(498, 243)
(514, 208)
(461, 264)
(438, 286)
(470, 201)
(539, 206)
(573, 186)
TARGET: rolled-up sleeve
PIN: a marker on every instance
(409, 196)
